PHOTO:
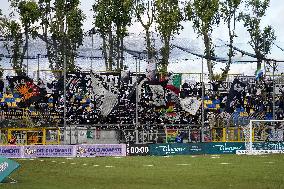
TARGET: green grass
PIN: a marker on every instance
(243, 172)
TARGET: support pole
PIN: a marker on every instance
(273, 80)
(202, 104)
(38, 68)
(136, 102)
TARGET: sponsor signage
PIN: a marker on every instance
(100, 150)
(11, 151)
(49, 151)
(223, 147)
(7, 166)
(169, 149)
(137, 149)
(196, 148)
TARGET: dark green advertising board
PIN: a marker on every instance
(169, 149)
(210, 148)
(7, 166)
(223, 147)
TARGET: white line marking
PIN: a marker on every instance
(225, 163)
(183, 164)
(193, 156)
(264, 156)
(167, 156)
(63, 162)
(270, 162)
(84, 164)
(41, 160)
(148, 165)
(32, 159)
(69, 158)
(73, 163)
(109, 166)
(96, 165)
(117, 157)
(53, 161)
(215, 157)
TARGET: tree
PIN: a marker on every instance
(122, 19)
(168, 18)
(13, 43)
(29, 14)
(148, 10)
(228, 10)
(204, 14)
(61, 23)
(104, 13)
(261, 40)
(113, 16)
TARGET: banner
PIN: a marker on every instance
(49, 151)
(169, 149)
(137, 150)
(93, 150)
(190, 104)
(7, 166)
(11, 151)
(158, 95)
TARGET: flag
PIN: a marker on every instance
(151, 69)
(106, 97)
(190, 105)
(171, 134)
(158, 95)
(174, 83)
(7, 166)
(258, 74)
(235, 95)
(28, 91)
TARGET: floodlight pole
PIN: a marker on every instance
(202, 103)
(92, 53)
(38, 68)
(273, 96)
(136, 101)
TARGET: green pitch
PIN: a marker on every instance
(178, 172)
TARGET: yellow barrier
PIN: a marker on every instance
(30, 136)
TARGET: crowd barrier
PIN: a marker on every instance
(36, 151)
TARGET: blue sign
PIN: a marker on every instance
(7, 166)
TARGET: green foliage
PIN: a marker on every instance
(63, 20)
(204, 14)
(261, 39)
(29, 13)
(113, 16)
(168, 18)
(146, 9)
(228, 13)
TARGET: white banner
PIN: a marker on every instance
(190, 105)
(158, 95)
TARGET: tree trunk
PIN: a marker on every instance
(148, 44)
(207, 44)
(105, 51)
(121, 53)
(230, 54)
(110, 58)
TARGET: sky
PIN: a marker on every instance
(274, 17)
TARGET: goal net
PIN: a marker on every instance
(263, 137)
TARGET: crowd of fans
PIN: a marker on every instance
(253, 101)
